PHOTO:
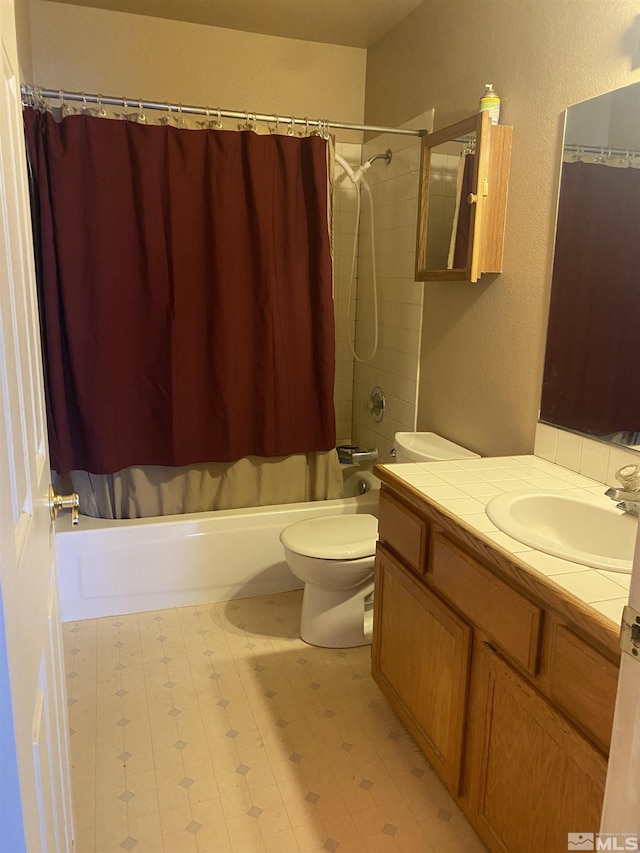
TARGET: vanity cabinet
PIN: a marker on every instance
(421, 661)
(532, 778)
(506, 684)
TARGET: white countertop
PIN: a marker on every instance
(464, 487)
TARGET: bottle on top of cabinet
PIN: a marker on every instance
(490, 102)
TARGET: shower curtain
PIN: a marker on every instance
(185, 282)
(589, 385)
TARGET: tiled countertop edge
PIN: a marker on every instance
(462, 488)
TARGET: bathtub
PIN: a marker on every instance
(108, 568)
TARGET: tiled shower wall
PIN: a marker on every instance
(344, 221)
(395, 365)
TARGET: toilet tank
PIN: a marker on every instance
(428, 447)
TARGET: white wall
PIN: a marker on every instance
(115, 53)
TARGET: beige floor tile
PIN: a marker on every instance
(243, 828)
(266, 744)
(110, 834)
(148, 845)
(282, 841)
(203, 790)
(411, 839)
(311, 837)
(85, 839)
(174, 797)
(214, 839)
(142, 803)
(144, 827)
(175, 820)
(179, 842)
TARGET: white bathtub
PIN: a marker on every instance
(114, 567)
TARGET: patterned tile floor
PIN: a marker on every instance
(215, 728)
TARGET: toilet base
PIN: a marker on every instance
(336, 619)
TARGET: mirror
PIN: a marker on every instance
(446, 219)
(462, 202)
(590, 372)
(451, 168)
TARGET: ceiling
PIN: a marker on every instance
(356, 23)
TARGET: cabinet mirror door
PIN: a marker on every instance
(453, 167)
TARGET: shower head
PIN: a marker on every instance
(359, 172)
(388, 154)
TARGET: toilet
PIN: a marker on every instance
(334, 556)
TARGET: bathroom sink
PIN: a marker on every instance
(590, 530)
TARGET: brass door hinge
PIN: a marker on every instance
(630, 632)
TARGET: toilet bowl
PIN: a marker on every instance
(334, 557)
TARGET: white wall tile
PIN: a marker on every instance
(568, 450)
(594, 460)
(546, 442)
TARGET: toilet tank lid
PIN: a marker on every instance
(333, 537)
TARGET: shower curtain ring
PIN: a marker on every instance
(141, 116)
(291, 126)
(63, 107)
(219, 122)
(306, 126)
(84, 103)
(101, 110)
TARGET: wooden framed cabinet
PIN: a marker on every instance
(507, 684)
(421, 661)
(461, 223)
(531, 776)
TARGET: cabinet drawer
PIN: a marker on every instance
(506, 616)
(583, 683)
(403, 531)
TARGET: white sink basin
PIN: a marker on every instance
(590, 530)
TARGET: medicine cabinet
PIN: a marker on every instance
(462, 203)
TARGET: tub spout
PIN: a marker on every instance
(354, 455)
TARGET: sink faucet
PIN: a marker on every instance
(628, 496)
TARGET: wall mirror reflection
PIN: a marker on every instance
(447, 215)
(590, 372)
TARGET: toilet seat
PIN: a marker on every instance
(335, 537)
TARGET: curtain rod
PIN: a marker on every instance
(34, 92)
(601, 149)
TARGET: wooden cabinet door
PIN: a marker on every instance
(531, 777)
(421, 653)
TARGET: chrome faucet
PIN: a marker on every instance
(628, 496)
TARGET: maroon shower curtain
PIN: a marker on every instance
(185, 281)
(590, 383)
(461, 258)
